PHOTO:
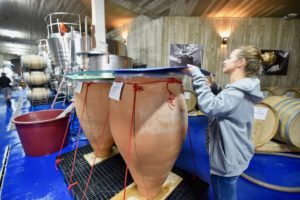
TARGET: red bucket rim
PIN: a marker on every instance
(41, 121)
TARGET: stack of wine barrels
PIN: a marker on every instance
(282, 123)
(293, 92)
(36, 78)
(268, 91)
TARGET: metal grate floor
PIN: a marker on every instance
(108, 176)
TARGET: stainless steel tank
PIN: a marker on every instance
(72, 51)
(115, 59)
(64, 50)
(65, 40)
(108, 62)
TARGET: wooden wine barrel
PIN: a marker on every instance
(38, 78)
(187, 83)
(191, 99)
(267, 91)
(264, 128)
(288, 110)
(289, 92)
(296, 88)
(33, 62)
(38, 94)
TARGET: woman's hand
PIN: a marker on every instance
(189, 69)
(186, 71)
(211, 80)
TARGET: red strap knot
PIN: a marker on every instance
(88, 84)
(137, 87)
(72, 185)
(171, 98)
(174, 80)
(57, 161)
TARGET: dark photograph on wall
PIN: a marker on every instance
(278, 62)
(183, 54)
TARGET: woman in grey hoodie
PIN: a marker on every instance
(231, 114)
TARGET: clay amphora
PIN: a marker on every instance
(93, 117)
(159, 128)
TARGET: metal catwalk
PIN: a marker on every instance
(24, 177)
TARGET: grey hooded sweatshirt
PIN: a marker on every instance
(231, 113)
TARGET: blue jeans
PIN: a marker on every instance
(7, 92)
(224, 188)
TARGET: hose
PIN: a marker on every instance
(271, 186)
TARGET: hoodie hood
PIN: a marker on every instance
(251, 87)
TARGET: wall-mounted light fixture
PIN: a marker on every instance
(290, 16)
(224, 40)
(124, 35)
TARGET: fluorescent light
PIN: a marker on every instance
(17, 48)
(292, 15)
(12, 34)
(14, 45)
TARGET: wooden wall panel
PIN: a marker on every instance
(149, 41)
(144, 40)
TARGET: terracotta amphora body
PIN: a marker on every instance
(92, 108)
(148, 125)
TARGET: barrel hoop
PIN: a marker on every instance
(281, 102)
(282, 110)
(267, 90)
(293, 90)
(288, 125)
(289, 103)
(281, 113)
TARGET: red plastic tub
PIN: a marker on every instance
(40, 133)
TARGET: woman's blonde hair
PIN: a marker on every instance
(254, 59)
